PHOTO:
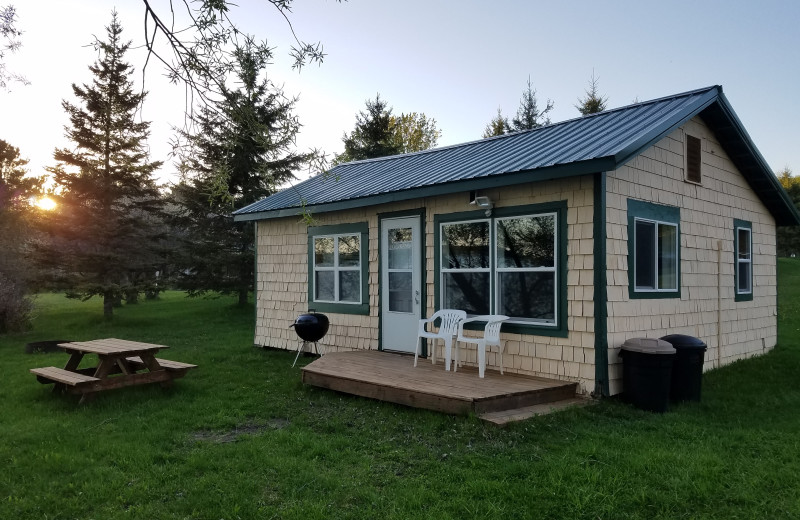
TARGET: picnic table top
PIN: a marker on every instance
(111, 346)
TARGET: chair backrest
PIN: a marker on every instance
(450, 320)
(492, 331)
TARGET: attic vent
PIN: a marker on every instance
(693, 159)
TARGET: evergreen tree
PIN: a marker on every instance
(373, 136)
(528, 114)
(241, 152)
(103, 234)
(16, 212)
(593, 102)
(497, 126)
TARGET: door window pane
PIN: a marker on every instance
(400, 292)
(400, 248)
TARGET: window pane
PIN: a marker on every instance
(323, 252)
(744, 277)
(526, 242)
(349, 251)
(667, 256)
(400, 248)
(349, 287)
(744, 243)
(465, 246)
(645, 250)
(466, 291)
(527, 295)
(400, 292)
(324, 286)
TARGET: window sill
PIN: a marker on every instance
(340, 308)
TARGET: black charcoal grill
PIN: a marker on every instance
(310, 327)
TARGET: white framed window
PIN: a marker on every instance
(656, 252)
(337, 268)
(526, 273)
(466, 266)
(505, 265)
(743, 259)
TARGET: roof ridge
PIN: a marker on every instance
(520, 132)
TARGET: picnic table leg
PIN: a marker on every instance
(152, 365)
(72, 365)
(104, 367)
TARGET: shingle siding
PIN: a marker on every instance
(707, 212)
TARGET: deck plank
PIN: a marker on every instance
(393, 378)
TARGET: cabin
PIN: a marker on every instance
(651, 219)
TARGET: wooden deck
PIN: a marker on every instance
(393, 378)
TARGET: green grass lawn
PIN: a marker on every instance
(241, 437)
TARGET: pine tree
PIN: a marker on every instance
(528, 114)
(593, 102)
(103, 234)
(497, 126)
(241, 152)
(16, 212)
(373, 135)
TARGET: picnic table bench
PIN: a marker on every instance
(121, 363)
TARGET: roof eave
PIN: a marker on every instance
(558, 171)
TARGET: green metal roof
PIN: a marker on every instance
(600, 142)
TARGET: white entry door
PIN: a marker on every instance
(401, 282)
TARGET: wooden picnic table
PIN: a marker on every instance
(121, 363)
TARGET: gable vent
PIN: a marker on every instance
(693, 159)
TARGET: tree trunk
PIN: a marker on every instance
(108, 305)
(243, 295)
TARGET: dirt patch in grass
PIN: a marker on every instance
(233, 435)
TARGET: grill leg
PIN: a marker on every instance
(300, 348)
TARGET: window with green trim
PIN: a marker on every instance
(743, 257)
(653, 250)
(507, 264)
(337, 268)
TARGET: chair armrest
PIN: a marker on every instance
(424, 322)
(468, 320)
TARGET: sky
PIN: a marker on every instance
(457, 61)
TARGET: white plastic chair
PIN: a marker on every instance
(491, 338)
(447, 331)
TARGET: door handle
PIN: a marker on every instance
(416, 297)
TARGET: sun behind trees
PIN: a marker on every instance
(102, 238)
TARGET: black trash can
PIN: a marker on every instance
(687, 371)
(647, 373)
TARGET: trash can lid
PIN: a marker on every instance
(648, 346)
(682, 341)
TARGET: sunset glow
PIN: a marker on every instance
(46, 203)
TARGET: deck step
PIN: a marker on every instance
(503, 417)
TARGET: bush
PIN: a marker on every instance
(15, 306)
